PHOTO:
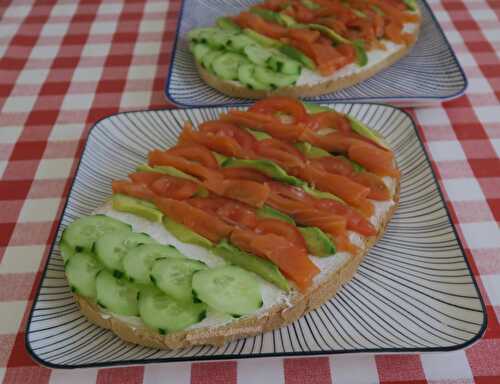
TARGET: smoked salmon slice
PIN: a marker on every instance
(244, 174)
(290, 259)
(246, 191)
(165, 185)
(245, 139)
(339, 185)
(284, 154)
(220, 143)
(266, 123)
(139, 191)
(195, 152)
(197, 220)
(374, 159)
(342, 166)
(206, 175)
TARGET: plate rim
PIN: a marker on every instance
(145, 361)
(377, 100)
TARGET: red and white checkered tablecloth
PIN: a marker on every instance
(65, 64)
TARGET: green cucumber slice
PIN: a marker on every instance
(66, 251)
(257, 55)
(117, 295)
(160, 312)
(139, 261)
(226, 65)
(201, 35)
(81, 270)
(237, 43)
(246, 77)
(281, 63)
(83, 232)
(219, 39)
(199, 50)
(112, 248)
(228, 289)
(173, 276)
(274, 79)
(208, 59)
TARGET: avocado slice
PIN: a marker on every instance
(320, 194)
(313, 108)
(261, 39)
(220, 158)
(270, 213)
(227, 24)
(262, 267)
(267, 167)
(310, 150)
(330, 33)
(167, 170)
(266, 14)
(310, 4)
(361, 56)
(184, 234)
(318, 243)
(259, 135)
(363, 130)
(145, 209)
(410, 4)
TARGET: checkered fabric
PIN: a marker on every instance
(65, 64)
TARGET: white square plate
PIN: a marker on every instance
(413, 292)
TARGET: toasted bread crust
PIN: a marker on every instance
(234, 89)
(277, 316)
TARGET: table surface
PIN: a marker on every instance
(65, 64)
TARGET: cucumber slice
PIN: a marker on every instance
(201, 35)
(81, 271)
(226, 65)
(111, 248)
(199, 50)
(284, 65)
(117, 295)
(207, 60)
(237, 43)
(174, 276)
(82, 233)
(257, 55)
(246, 77)
(274, 79)
(228, 289)
(164, 314)
(66, 251)
(139, 261)
(219, 39)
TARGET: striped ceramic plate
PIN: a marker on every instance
(413, 292)
(430, 73)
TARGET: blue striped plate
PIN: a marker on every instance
(429, 74)
(413, 292)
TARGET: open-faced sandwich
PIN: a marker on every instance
(251, 220)
(303, 47)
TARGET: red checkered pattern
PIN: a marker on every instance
(65, 64)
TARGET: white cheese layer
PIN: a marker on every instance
(271, 295)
